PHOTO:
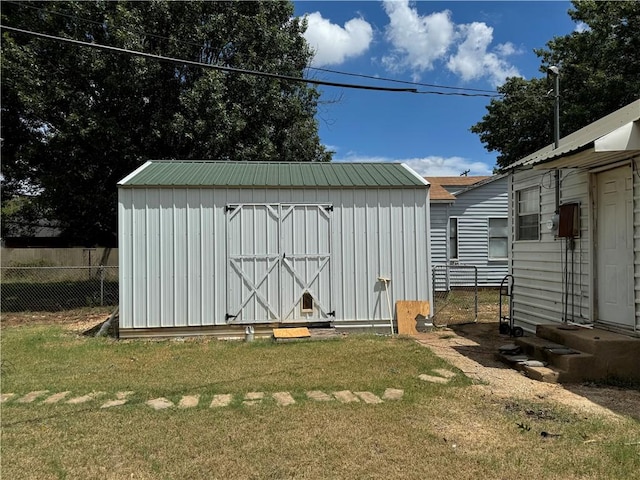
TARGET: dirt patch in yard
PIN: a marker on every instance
(74, 320)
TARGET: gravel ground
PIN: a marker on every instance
(472, 349)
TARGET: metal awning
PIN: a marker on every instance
(611, 138)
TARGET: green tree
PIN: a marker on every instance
(599, 73)
(75, 119)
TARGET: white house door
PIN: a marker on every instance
(278, 263)
(614, 249)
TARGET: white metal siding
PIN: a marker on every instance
(539, 266)
(473, 208)
(636, 240)
(439, 233)
(173, 251)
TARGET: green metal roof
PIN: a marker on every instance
(193, 173)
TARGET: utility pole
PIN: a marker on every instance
(555, 72)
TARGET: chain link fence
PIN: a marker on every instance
(57, 288)
(455, 294)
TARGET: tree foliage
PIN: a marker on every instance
(75, 119)
(599, 73)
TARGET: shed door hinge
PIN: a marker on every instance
(229, 208)
(228, 317)
(332, 314)
(329, 208)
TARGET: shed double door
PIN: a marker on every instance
(278, 263)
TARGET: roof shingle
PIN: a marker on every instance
(439, 185)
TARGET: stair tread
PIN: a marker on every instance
(546, 374)
(550, 347)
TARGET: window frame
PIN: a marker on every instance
(534, 213)
(456, 238)
(505, 237)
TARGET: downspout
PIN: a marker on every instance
(555, 72)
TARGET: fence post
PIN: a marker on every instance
(434, 286)
(102, 285)
(475, 270)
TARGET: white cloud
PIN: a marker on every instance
(417, 40)
(582, 27)
(420, 42)
(473, 60)
(332, 43)
(433, 166)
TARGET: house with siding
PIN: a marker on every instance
(469, 228)
(575, 236)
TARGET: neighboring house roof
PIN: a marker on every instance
(617, 132)
(444, 188)
(201, 173)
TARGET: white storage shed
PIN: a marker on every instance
(210, 247)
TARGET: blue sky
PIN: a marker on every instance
(459, 44)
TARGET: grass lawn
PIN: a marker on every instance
(434, 431)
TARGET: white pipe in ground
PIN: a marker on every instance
(386, 281)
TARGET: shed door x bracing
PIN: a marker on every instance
(279, 263)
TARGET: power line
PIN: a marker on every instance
(236, 70)
(205, 65)
(361, 75)
(493, 93)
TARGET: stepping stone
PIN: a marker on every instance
(121, 399)
(30, 397)
(318, 396)
(392, 394)
(284, 398)
(160, 403)
(6, 396)
(253, 398)
(534, 363)
(368, 397)
(431, 378)
(85, 398)
(56, 397)
(221, 400)
(345, 396)
(444, 372)
(510, 349)
(189, 401)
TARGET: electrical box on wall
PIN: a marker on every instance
(569, 220)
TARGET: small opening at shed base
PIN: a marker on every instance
(307, 303)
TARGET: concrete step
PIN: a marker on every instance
(569, 360)
(540, 370)
(541, 373)
(614, 354)
(588, 340)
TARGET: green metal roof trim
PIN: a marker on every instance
(193, 173)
